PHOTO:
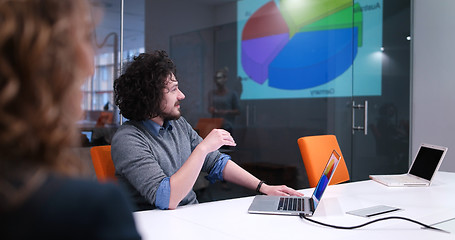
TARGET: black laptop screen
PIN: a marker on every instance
(426, 162)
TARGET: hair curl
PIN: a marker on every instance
(40, 74)
(139, 90)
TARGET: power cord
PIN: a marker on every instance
(367, 223)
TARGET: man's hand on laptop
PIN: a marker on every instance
(280, 190)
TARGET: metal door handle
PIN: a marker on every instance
(365, 117)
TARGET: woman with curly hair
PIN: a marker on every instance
(46, 54)
(157, 154)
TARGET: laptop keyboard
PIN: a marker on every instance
(291, 204)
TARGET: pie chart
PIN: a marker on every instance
(301, 45)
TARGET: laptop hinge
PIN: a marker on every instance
(311, 205)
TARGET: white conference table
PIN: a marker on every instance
(229, 219)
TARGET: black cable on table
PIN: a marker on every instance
(370, 222)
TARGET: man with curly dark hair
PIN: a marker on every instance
(157, 154)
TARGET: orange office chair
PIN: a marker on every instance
(205, 125)
(102, 162)
(315, 151)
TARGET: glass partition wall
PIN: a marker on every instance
(285, 70)
(101, 117)
(108, 39)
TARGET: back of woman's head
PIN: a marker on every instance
(42, 66)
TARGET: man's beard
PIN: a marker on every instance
(169, 116)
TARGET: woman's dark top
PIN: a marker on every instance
(68, 208)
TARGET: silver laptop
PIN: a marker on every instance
(426, 163)
(297, 205)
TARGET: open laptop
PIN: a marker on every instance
(295, 205)
(426, 163)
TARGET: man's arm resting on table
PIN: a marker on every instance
(235, 174)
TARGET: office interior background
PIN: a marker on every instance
(409, 51)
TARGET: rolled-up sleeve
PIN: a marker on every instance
(216, 174)
(163, 194)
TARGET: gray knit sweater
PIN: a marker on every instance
(142, 159)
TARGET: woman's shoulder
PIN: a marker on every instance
(88, 193)
(75, 206)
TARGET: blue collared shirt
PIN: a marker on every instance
(163, 193)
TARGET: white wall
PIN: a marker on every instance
(433, 93)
